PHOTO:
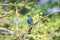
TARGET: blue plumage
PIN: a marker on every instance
(30, 20)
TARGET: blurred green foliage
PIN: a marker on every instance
(41, 31)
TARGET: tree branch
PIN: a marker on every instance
(29, 31)
(6, 31)
(6, 15)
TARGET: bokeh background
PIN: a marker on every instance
(15, 13)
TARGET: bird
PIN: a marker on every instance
(30, 20)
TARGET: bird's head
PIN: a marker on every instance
(29, 16)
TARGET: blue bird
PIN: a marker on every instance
(30, 20)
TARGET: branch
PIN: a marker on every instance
(29, 31)
(44, 17)
(11, 4)
(1, 4)
(6, 31)
(6, 15)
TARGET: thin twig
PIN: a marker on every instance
(6, 15)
